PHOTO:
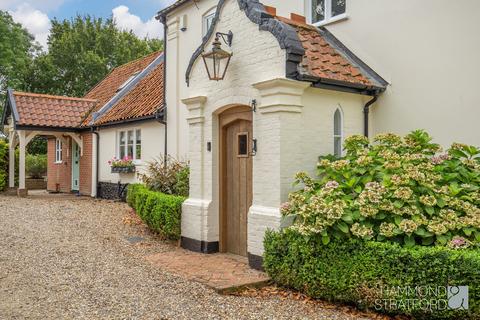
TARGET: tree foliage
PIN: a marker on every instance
(17, 50)
(81, 52)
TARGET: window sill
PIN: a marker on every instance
(58, 162)
(335, 19)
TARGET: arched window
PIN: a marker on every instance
(337, 133)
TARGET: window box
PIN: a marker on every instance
(123, 169)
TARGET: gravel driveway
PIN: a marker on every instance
(69, 258)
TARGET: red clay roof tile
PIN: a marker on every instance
(143, 100)
(322, 60)
(51, 111)
(107, 88)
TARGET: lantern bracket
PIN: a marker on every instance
(226, 37)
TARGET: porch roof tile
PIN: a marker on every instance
(51, 111)
(326, 58)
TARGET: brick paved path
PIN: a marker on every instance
(223, 272)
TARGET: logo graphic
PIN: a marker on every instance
(457, 297)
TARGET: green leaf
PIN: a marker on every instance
(420, 231)
(442, 239)
(356, 215)
(458, 153)
(325, 240)
(398, 219)
(347, 218)
(343, 227)
(358, 189)
(409, 241)
(428, 241)
(468, 231)
(398, 204)
(477, 236)
(350, 183)
(441, 203)
(430, 210)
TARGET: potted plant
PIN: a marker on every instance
(125, 165)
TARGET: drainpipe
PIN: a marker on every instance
(95, 165)
(163, 20)
(366, 112)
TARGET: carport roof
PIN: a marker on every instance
(42, 110)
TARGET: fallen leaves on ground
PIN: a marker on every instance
(284, 294)
(132, 219)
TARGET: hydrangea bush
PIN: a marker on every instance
(404, 190)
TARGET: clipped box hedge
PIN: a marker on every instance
(161, 212)
(353, 271)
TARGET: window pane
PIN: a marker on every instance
(338, 146)
(138, 145)
(122, 152)
(138, 152)
(130, 143)
(130, 151)
(242, 145)
(122, 138)
(130, 137)
(337, 123)
(318, 10)
(338, 7)
(209, 21)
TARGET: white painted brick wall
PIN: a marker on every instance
(288, 142)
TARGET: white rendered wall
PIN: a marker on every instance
(152, 147)
(428, 51)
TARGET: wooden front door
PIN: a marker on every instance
(235, 178)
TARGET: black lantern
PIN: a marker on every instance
(217, 60)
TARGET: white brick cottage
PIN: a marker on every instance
(290, 94)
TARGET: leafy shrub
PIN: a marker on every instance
(171, 177)
(36, 165)
(397, 190)
(38, 145)
(3, 164)
(364, 273)
(161, 212)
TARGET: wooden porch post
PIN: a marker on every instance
(22, 191)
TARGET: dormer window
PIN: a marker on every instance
(327, 11)
(133, 76)
(208, 20)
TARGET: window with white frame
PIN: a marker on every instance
(130, 144)
(58, 150)
(325, 11)
(208, 20)
(338, 133)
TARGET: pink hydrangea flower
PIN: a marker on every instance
(332, 185)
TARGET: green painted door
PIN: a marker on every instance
(75, 167)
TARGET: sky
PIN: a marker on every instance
(135, 15)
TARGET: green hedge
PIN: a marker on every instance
(3, 164)
(353, 271)
(161, 212)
